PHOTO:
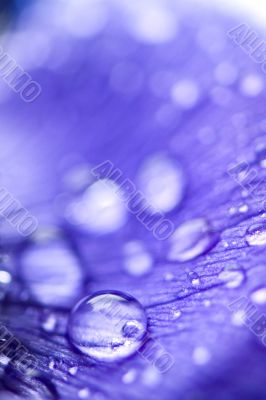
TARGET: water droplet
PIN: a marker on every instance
(232, 278)
(49, 323)
(6, 277)
(156, 24)
(73, 371)
(252, 85)
(129, 376)
(177, 314)
(108, 326)
(258, 296)
(52, 273)
(194, 278)
(243, 208)
(190, 240)
(185, 93)
(261, 155)
(85, 18)
(99, 209)
(162, 182)
(84, 393)
(151, 377)
(137, 260)
(168, 276)
(201, 355)
(256, 235)
(238, 318)
(225, 73)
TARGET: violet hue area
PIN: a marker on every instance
(134, 84)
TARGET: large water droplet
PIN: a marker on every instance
(162, 182)
(52, 273)
(137, 260)
(256, 235)
(190, 240)
(99, 209)
(108, 326)
(258, 295)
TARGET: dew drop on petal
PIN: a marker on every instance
(155, 24)
(84, 393)
(6, 277)
(258, 295)
(185, 93)
(137, 260)
(256, 235)
(201, 355)
(252, 85)
(232, 278)
(52, 273)
(129, 376)
(191, 239)
(49, 322)
(162, 182)
(108, 326)
(99, 209)
(225, 73)
(73, 371)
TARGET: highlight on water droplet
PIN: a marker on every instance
(162, 182)
(99, 209)
(256, 235)
(191, 239)
(108, 326)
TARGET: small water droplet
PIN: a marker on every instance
(162, 182)
(252, 85)
(243, 208)
(169, 276)
(258, 296)
(191, 239)
(73, 371)
(185, 93)
(194, 278)
(261, 154)
(225, 73)
(201, 355)
(256, 235)
(232, 278)
(84, 393)
(108, 326)
(51, 272)
(137, 260)
(238, 318)
(151, 377)
(99, 209)
(129, 376)
(177, 314)
(49, 323)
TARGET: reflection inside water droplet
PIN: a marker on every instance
(108, 326)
